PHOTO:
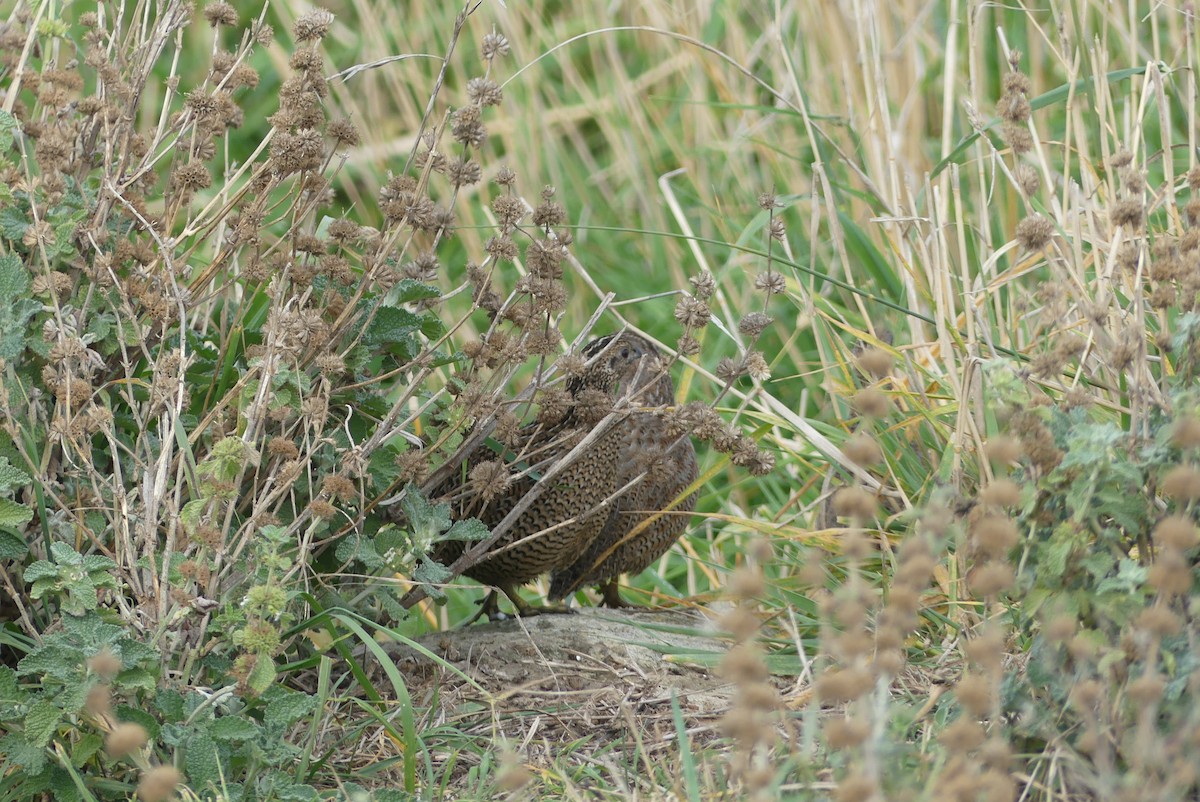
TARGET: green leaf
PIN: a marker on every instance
(285, 706)
(262, 676)
(41, 569)
(430, 574)
(12, 547)
(468, 529)
(64, 554)
(63, 786)
(41, 722)
(85, 748)
(234, 728)
(9, 125)
(425, 520)
(17, 309)
(293, 792)
(409, 290)
(98, 562)
(359, 548)
(138, 716)
(169, 703)
(202, 763)
(12, 477)
(18, 752)
(391, 326)
(192, 513)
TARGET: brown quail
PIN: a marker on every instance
(564, 518)
(633, 537)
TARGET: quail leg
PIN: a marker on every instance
(489, 606)
(612, 596)
(525, 610)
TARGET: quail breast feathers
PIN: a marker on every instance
(571, 513)
(647, 519)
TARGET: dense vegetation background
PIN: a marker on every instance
(933, 266)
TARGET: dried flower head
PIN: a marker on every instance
(770, 282)
(220, 13)
(754, 324)
(494, 44)
(854, 502)
(124, 738)
(703, 284)
(484, 92)
(863, 450)
(1034, 232)
(489, 479)
(1182, 483)
(159, 784)
(313, 25)
(467, 128)
(692, 312)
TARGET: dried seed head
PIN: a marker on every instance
(1176, 532)
(994, 535)
(688, 345)
(753, 324)
(703, 284)
(692, 312)
(963, 735)
(489, 479)
(1034, 232)
(986, 650)
(505, 177)
(1171, 574)
(549, 213)
(484, 92)
(875, 362)
(1146, 690)
(1061, 628)
(871, 403)
(220, 13)
(843, 685)
(124, 738)
(776, 229)
(756, 367)
(863, 450)
(741, 624)
(728, 369)
(99, 701)
(159, 784)
(493, 45)
(842, 732)
(344, 131)
(1182, 483)
(1159, 621)
(991, 578)
(313, 25)
(467, 128)
(975, 693)
(104, 663)
(1127, 214)
(770, 282)
(1001, 492)
(1027, 179)
(854, 502)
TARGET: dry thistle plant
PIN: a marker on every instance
(212, 371)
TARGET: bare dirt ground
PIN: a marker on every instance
(598, 676)
(591, 655)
